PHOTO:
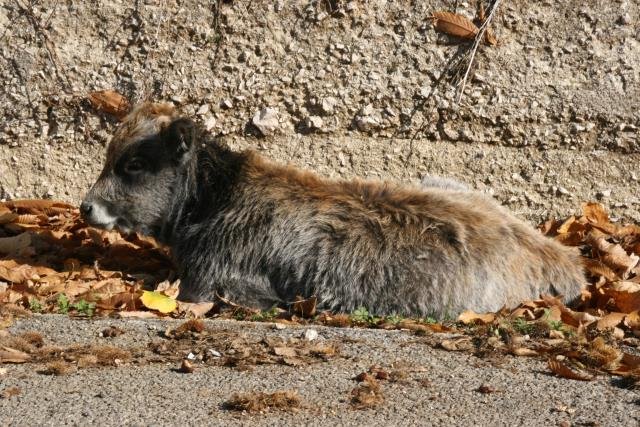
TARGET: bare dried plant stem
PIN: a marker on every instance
(479, 38)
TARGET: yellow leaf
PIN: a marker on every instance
(158, 301)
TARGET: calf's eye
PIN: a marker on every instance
(134, 166)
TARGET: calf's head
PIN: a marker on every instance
(143, 164)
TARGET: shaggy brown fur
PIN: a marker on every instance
(260, 233)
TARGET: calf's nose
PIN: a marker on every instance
(85, 208)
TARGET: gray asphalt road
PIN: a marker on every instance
(440, 389)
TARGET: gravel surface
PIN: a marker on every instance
(441, 388)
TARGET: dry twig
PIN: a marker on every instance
(479, 38)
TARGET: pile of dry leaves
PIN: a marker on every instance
(51, 261)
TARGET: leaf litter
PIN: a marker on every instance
(368, 394)
(258, 401)
(52, 262)
(59, 256)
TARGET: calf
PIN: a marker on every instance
(260, 234)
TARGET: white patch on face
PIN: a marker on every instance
(100, 216)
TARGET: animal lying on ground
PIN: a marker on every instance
(260, 234)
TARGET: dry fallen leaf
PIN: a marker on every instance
(595, 213)
(138, 314)
(367, 394)
(568, 226)
(7, 217)
(469, 316)
(11, 355)
(454, 24)
(38, 206)
(562, 369)
(632, 320)
(305, 308)
(623, 296)
(611, 320)
(158, 301)
(10, 392)
(490, 37)
(186, 367)
(111, 102)
(598, 268)
(11, 271)
(459, 344)
(612, 254)
(170, 289)
(199, 309)
(285, 351)
(631, 361)
(523, 351)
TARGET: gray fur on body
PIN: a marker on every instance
(444, 183)
(261, 234)
(259, 255)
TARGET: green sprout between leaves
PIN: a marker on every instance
(265, 315)
(35, 306)
(362, 315)
(84, 307)
(63, 304)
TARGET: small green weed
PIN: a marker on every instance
(556, 325)
(63, 304)
(394, 319)
(35, 306)
(240, 315)
(84, 307)
(522, 326)
(265, 315)
(362, 316)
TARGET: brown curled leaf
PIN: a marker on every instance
(111, 102)
(595, 213)
(11, 355)
(563, 370)
(305, 308)
(524, 351)
(490, 37)
(454, 24)
(471, 317)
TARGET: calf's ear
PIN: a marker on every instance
(179, 137)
